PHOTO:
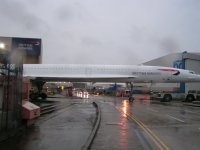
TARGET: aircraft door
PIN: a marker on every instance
(167, 76)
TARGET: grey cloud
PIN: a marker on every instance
(64, 13)
(136, 35)
(70, 11)
(91, 42)
(169, 45)
(106, 32)
(18, 13)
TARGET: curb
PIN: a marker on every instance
(90, 139)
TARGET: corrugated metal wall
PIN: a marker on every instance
(194, 65)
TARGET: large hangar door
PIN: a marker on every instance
(192, 64)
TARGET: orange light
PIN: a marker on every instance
(125, 106)
(123, 136)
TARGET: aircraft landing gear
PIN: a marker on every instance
(131, 98)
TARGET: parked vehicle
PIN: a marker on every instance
(192, 95)
(167, 96)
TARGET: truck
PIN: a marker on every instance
(192, 95)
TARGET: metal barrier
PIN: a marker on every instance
(10, 95)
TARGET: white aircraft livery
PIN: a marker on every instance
(108, 73)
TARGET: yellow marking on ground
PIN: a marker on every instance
(159, 143)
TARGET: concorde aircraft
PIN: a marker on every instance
(41, 73)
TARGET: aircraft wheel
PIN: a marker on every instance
(167, 98)
(190, 98)
(43, 95)
(131, 99)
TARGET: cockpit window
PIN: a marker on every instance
(192, 72)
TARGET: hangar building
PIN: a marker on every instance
(14, 52)
(30, 48)
(185, 60)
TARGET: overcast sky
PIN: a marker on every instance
(104, 31)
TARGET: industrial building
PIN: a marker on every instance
(185, 60)
(30, 48)
(14, 52)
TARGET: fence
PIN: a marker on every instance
(10, 94)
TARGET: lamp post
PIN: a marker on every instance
(2, 46)
(3, 51)
(6, 67)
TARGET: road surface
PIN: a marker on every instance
(147, 125)
(141, 125)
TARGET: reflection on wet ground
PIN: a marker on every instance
(154, 125)
(123, 134)
(68, 128)
(124, 125)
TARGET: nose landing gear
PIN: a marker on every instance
(131, 98)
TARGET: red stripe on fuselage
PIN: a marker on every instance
(170, 70)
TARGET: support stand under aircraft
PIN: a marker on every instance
(131, 98)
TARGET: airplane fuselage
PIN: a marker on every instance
(108, 73)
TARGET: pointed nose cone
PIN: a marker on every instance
(194, 78)
(198, 78)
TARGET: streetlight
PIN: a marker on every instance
(2, 52)
(2, 46)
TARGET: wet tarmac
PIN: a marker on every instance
(146, 125)
(67, 128)
(141, 125)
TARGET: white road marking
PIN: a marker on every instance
(191, 112)
(176, 118)
(153, 110)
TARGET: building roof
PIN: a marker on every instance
(194, 56)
